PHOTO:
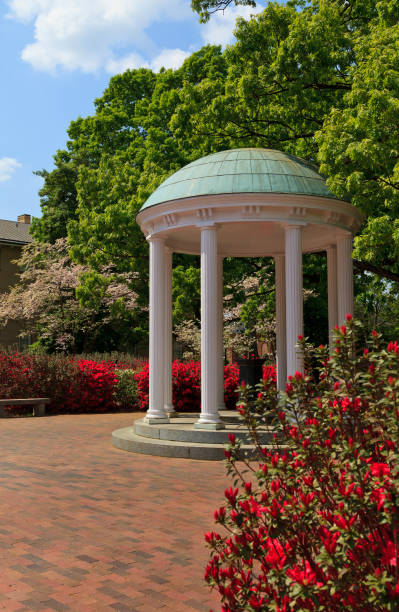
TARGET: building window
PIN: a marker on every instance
(24, 343)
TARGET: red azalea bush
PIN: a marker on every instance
(86, 385)
(143, 386)
(186, 386)
(93, 387)
(72, 386)
(23, 376)
(231, 383)
(314, 524)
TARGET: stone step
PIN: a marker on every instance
(182, 429)
(126, 439)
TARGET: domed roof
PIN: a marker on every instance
(242, 171)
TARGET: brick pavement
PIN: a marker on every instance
(87, 527)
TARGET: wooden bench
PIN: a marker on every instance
(38, 403)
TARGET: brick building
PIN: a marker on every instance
(13, 236)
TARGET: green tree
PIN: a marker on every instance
(58, 199)
(130, 149)
(305, 77)
(318, 79)
(359, 145)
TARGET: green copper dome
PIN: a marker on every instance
(242, 171)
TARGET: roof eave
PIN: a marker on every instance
(14, 242)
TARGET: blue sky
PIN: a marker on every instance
(57, 56)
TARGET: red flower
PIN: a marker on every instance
(390, 554)
(232, 438)
(330, 541)
(379, 470)
(303, 576)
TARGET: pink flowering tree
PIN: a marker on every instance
(313, 524)
(45, 300)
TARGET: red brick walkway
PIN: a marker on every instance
(86, 527)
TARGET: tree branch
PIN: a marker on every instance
(365, 266)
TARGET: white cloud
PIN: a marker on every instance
(8, 165)
(168, 58)
(219, 29)
(86, 35)
(113, 35)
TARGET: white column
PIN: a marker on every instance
(221, 405)
(156, 412)
(210, 362)
(344, 277)
(168, 404)
(281, 337)
(294, 297)
(332, 291)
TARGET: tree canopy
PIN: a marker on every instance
(205, 8)
(316, 79)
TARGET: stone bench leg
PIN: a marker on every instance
(39, 410)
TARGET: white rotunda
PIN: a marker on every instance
(245, 203)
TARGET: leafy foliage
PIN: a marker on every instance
(315, 79)
(314, 526)
(125, 392)
(58, 199)
(359, 145)
(205, 8)
(319, 80)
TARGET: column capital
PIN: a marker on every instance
(207, 226)
(287, 225)
(344, 236)
(155, 238)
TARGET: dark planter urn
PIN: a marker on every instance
(251, 370)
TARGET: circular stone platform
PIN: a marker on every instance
(179, 438)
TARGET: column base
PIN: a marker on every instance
(170, 411)
(209, 426)
(150, 420)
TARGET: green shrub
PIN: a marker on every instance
(314, 524)
(125, 393)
